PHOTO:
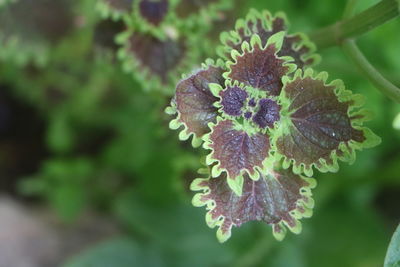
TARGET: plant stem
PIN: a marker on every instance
(363, 22)
(380, 82)
(351, 49)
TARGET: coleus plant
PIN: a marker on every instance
(267, 119)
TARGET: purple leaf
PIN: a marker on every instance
(320, 123)
(278, 198)
(237, 151)
(158, 56)
(296, 45)
(267, 114)
(153, 11)
(195, 102)
(252, 102)
(232, 100)
(260, 68)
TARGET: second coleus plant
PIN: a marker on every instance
(267, 120)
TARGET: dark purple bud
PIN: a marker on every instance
(267, 114)
(153, 11)
(233, 99)
(252, 102)
(248, 115)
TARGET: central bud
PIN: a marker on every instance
(260, 111)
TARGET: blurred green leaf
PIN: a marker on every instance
(393, 254)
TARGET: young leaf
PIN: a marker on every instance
(259, 66)
(297, 46)
(194, 103)
(279, 198)
(320, 125)
(267, 114)
(235, 151)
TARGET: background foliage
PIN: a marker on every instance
(78, 133)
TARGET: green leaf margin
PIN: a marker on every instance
(210, 205)
(276, 40)
(343, 95)
(235, 183)
(140, 73)
(177, 123)
(266, 19)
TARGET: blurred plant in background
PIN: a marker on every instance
(82, 128)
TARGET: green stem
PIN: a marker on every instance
(363, 22)
(351, 49)
(373, 75)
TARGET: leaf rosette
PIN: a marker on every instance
(266, 120)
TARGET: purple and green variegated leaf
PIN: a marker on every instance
(156, 63)
(279, 198)
(321, 124)
(193, 103)
(259, 66)
(115, 8)
(236, 152)
(297, 45)
(153, 11)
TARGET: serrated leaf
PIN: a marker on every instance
(236, 151)
(156, 62)
(259, 66)
(321, 125)
(392, 258)
(158, 56)
(297, 46)
(194, 102)
(153, 11)
(278, 198)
